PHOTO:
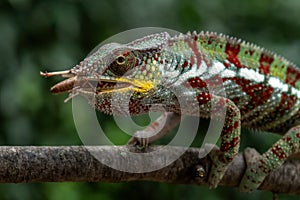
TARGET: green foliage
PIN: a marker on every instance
(55, 35)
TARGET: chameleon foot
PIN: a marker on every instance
(259, 166)
(256, 170)
(160, 127)
(140, 139)
(218, 169)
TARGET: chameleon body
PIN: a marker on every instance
(262, 91)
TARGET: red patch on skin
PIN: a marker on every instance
(225, 146)
(265, 61)
(211, 39)
(292, 75)
(251, 52)
(287, 102)
(236, 124)
(203, 98)
(192, 61)
(196, 83)
(276, 150)
(195, 36)
(185, 64)
(193, 45)
(227, 130)
(126, 53)
(232, 51)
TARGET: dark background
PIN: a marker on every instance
(55, 35)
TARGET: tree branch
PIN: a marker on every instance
(75, 163)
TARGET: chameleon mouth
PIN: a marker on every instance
(79, 84)
(87, 86)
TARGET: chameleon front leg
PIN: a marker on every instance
(259, 166)
(230, 138)
(230, 142)
(160, 127)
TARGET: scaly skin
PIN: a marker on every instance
(262, 91)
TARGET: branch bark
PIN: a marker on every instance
(19, 164)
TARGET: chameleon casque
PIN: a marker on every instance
(262, 91)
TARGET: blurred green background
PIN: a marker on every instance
(56, 35)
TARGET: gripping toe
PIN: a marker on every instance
(256, 170)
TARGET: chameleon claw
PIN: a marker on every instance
(139, 143)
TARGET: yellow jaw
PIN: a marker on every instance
(135, 85)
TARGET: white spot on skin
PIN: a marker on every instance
(276, 83)
(216, 68)
(296, 92)
(252, 75)
(227, 73)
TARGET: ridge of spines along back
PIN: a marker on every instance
(246, 44)
(237, 41)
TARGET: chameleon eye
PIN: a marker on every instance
(120, 60)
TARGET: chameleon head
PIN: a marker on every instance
(115, 72)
